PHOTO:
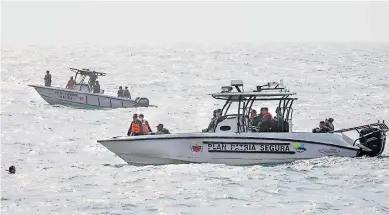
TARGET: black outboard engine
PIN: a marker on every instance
(142, 102)
(373, 139)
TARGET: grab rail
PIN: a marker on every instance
(381, 125)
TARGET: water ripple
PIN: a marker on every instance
(61, 169)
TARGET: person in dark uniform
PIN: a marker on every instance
(256, 118)
(120, 92)
(92, 79)
(126, 93)
(214, 121)
(328, 123)
(322, 128)
(279, 115)
(162, 130)
(47, 79)
(96, 87)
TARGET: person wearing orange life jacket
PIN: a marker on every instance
(136, 127)
(145, 125)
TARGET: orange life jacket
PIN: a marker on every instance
(135, 128)
(145, 127)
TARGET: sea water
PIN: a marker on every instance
(61, 169)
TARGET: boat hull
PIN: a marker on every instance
(74, 98)
(236, 149)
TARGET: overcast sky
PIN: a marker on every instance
(223, 22)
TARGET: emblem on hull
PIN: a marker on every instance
(299, 147)
(196, 147)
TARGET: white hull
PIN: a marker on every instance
(229, 149)
(68, 97)
(231, 140)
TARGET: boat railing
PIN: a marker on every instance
(374, 128)
(381, 125)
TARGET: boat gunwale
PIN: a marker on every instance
(167, 137)
(81, 92)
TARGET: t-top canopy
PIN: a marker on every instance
(87, 72)
(269, 91)
(252, 96)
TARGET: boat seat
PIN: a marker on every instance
(279, 126)
(275, 126)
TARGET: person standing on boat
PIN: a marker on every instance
(136, 127)
(120, 92)
(126, 93)
(47, 79)
(145, 124)
(96, 87)
(71, 83)
(92, 79)
(279, 115)
(322, 128)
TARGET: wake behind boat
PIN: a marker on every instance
(81, 94)
(233, 139)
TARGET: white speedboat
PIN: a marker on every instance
(233, 141)
(81, 94)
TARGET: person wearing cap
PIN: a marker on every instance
(136, 127)
(322, 128)
(47, 79)
(145, 125)
(162, 130)
(214, 121)
(328, 123)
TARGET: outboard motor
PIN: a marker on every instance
(373, 139)
(142, 102)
